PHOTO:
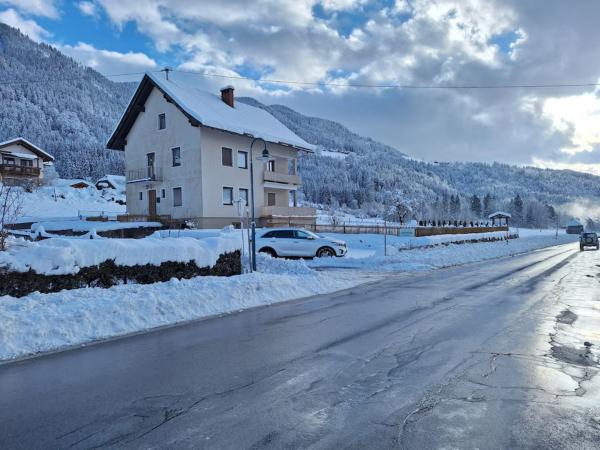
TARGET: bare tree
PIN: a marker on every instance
(11, 204)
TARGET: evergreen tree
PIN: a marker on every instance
(488, 205)
(517, 209)
(475, 206)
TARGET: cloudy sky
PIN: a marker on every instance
(345, 42)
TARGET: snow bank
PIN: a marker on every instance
(368, 255)
(61, 256)
(44, 322)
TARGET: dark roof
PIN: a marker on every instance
(46, 157)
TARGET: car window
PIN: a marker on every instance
(270, 234)
(302, 234)
(283, 234)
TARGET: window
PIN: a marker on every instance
(228, 196)
(293, 199)
(242, 160)
(271, 165)
(177, 197)
(283, 234)
(227, 157)
(302, 235)
(150, 158)
(26, 163)
(162, 121)
(270, 199)
(176, 156)
(163, 193)
(10, 161)
(141, 196)
(244, 196)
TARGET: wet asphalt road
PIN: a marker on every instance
(482, 356)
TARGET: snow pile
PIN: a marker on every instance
(61, 256)
(44, 322)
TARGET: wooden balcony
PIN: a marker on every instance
(283, 178)
(13, 170)
(149, 173)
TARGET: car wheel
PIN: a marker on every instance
(269, 251)
(325, 252)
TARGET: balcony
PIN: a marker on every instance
(283, 178)
(288, 211)
(13, 170)
(149, 173)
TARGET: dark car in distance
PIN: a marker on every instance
(588, 240)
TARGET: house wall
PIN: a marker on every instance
(215, 176)
(145, 137)
(201, 175)
(37, 162)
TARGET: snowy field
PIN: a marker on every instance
(44, 322)
(62, 201)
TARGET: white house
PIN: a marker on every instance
(187, 156)
(22, 161)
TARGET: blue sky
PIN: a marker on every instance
(345, 42)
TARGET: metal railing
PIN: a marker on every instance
(149, 173)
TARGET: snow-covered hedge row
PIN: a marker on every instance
(62, 256)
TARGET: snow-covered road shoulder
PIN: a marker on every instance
(44, 322)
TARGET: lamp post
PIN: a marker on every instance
(265, 156)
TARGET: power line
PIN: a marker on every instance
(329, 84)
(390, 86)
(55, 80)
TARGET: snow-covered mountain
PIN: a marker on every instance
(70, 110)
(373, 176)
(65, 108)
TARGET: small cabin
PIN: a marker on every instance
(499, 218)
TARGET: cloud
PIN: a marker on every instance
(41, 8)
(28, 27)
(416, 42)
(109, 62)
(87, 8)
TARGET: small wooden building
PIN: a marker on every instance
(500, 218)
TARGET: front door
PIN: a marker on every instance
(152, 203)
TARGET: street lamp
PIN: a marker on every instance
(265, 156)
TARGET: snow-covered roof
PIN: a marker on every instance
(574, 223)
(207, 110)
(29, 146)
(499, 214)
(116, 181)
(65, 182)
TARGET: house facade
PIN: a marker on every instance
(187, 157)
(22, 162)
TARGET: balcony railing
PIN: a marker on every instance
(149, 173)
(288, 211)
(277, 177)
(19, 171)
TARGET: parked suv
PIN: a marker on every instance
(588, 240)
(296, 242)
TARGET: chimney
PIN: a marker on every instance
(227, 95)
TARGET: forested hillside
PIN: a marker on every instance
(360, 173)
(70, 111)
(56, 103)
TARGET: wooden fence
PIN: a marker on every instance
(393, 230)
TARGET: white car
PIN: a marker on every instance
(296, 242)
